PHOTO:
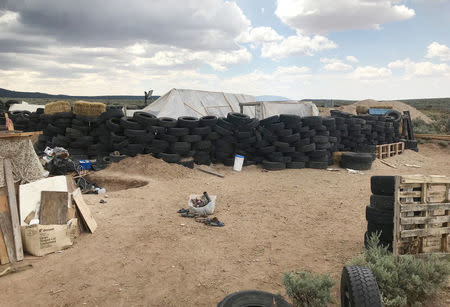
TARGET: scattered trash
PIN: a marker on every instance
(413, 165)
(352, 171)
(102, 201)
(200, 208)
(209, 170)
(210, 221)
(333, 169)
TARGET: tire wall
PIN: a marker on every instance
(277, 142)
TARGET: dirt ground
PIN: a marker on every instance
(144, 254)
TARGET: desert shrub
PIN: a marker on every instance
(421, 126)
(307, 289)
(443, 143)
(407, 281)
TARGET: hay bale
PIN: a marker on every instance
(87, 108)
(57, 107)
(337, 156)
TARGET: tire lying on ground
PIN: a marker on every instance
(273, 166)
(359, 288)
(357, 161)
(253, 298)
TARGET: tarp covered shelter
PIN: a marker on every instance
(182, 102)
(264, 109)
(25, 106)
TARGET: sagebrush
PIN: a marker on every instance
(307, 289)
(407, 281)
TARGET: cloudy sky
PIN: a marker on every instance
(342, 49)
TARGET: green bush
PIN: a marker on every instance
(443, 143)
(307, 289)
(407, 281)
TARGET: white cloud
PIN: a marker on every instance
(420, 68)
(262, 10)
(436, 50)
(296, 45)
(292, 70)
(351, 59)
(335, 65)
(371, 72)
(259, 35)
(323, 16)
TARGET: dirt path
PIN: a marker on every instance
(144, 254)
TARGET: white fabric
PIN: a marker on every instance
(301, 108)
(181, 102)
(25, 106)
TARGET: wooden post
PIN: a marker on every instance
(15, 221)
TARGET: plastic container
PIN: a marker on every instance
(238, 162)
(85, 164)
(206, 210)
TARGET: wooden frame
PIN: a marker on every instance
(421, 215)
(390, 150)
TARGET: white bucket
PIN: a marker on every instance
(238, 162)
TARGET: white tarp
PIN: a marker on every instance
(181, 102)
(266, 109)
(25, 106)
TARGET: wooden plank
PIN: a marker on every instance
(84, 210)
(53, 209)
(423, 207)
(71, 185)
(444, 137)
(397, 227)
(13, 209)
(425, 232)
(425, 179)
(13, 134)
(4, 257)
(424, 220)
(8, 236)
(403, 194)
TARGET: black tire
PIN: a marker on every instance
(188, 122)
(289, 119)
(295, 165)
(238, 119)
(170, 158)
(167, 122)
(393, 115)
(213, 136)
(382, 202)
(293, 138)
(129, 123)
(203, 145)
(317, 165)
(222, 122)
(267, 149)
(359, 288)
(113, 125)
(191, 138)
(308, 148)
(382, 185)
(284, 132)
(222, 131)
(320, 139)
(269, 120)
(360, 166)
(178, 131)
(181, 147)
(276, 126)
(358, 157)
(280, 144)
(208, 121)
(378, 216)
(253, 298)
(202, 130)
(145, 119)
(273, 166)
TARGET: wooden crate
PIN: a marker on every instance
(389, 150)
(421, 214)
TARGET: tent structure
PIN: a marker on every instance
(25, 106)
(183, 102)
(264, 109)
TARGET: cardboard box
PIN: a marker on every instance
(40, 240)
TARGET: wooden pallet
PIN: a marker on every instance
(389, 150)
(421, 214)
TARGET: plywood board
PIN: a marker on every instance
(53, 209)
(85, 212)
(4, 258)
(8, 237)
(13, 208)
(30, 193)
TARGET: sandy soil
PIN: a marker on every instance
(144, 254)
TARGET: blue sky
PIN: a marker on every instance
(342, 49)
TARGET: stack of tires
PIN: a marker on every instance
(380, 212)
(55, 130)
(319, 148)
(237, 134)
(280, 138)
